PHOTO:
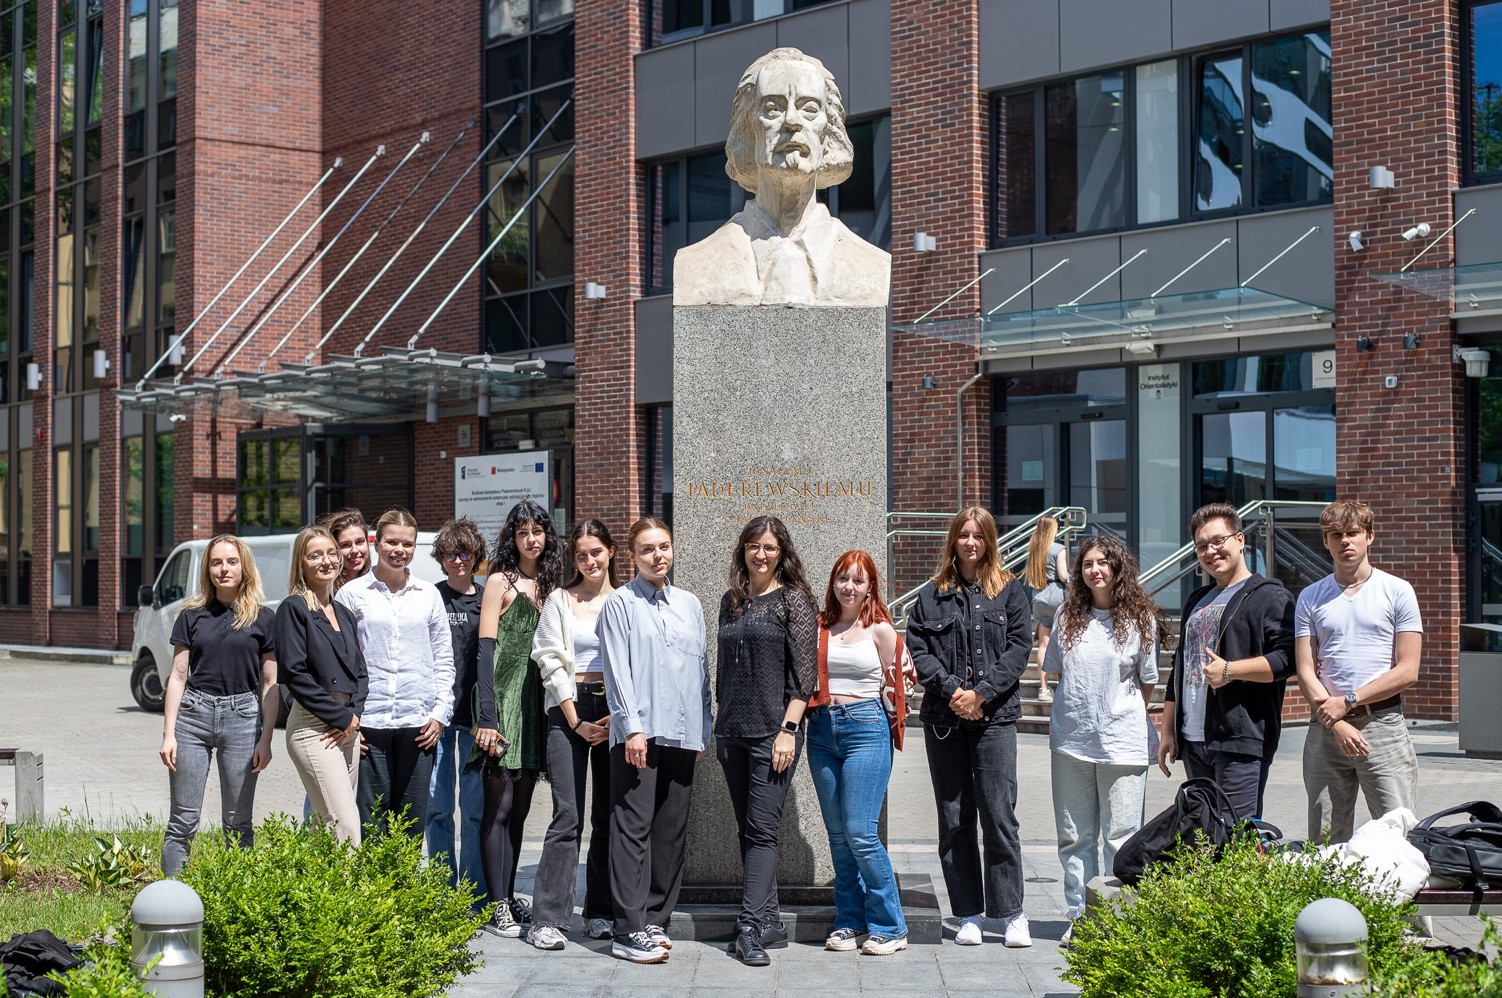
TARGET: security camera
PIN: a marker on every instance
(1420, 230)
(1357, 242)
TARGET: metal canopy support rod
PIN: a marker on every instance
(1027, 286)
(968, 284)
(182, 337)
(302, 274)
(411, 237)
(380, 151)
(1437, 239)
(370, 241)
(1086, 292)
(1187, 269)
(520, 159)
(1312, 230)
(412, 343)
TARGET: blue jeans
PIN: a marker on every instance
(452, 751)
(850, 757)
(207, 724)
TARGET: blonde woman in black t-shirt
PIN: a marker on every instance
(221, 697)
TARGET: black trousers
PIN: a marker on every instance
(571, 762)
(394, 776)
(974, 773)
(648, 833)
(1242, 777)
(757, 794)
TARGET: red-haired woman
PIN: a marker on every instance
(850, 756)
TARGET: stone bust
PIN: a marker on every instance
(787, 141)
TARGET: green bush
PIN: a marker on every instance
(305, 915)
(1198, 927)
(1430, 974)
(106, 973)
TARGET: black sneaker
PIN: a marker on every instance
(774, 933)
(637, 947)
(748, 948)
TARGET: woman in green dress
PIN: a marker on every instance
(511, 725)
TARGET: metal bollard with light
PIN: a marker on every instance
(1330, 942)
(167, 919)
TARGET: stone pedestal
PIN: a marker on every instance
(778, 411)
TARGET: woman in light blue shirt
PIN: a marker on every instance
(656, 664)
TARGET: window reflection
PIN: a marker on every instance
(1233, 464)
(1031, 470)
(1084, 154)
(1486, 87)
(1292, 145)
(1219, 142)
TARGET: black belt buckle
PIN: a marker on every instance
(596, 689)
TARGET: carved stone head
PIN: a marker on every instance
(787, 114)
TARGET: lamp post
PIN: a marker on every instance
(167, 919)
(1330, 943)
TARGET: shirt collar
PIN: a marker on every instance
(651, 593)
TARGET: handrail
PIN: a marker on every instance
(1011, 547)
(1156, 579)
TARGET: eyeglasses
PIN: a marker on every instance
(455, 556)
(770, 550)
(1203, 547)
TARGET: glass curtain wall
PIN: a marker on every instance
(21, 372)
(1482, 78)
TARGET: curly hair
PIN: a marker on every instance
(789, 570)
(505, 559)
(740, 146)
(1132, 609)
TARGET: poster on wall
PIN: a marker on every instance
(486, 487)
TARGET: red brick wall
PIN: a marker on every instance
(608, 194)
(1402, 449)
(938, 183)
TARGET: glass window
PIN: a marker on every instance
(506, 269)
(1098, 469)
(507, 18)
(864, 201)
(91, 498)
(506, 71)
(1157, 142)
(1219, 139)
(1056, 389)
(1021, 165)
(167, 45)
(552, 56)
(94, 80)
(553, 212)
(1084, 154)
(1485, 81)
(1292, 149)
(1031, 470)
(133, 518)
(137, 46)
(23, 515)
(67, 69)
(135, 273)
(1255, 375)
(1304, 453)
(62, 497)
(681, 15)
(165, 490)
(166, 304)
(1233, 457)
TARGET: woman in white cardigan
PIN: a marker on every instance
(567, 652)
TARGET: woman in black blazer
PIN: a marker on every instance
(325, 672)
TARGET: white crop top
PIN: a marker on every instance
(854, 670)
(586, 645)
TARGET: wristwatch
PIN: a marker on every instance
(791, 727)
(1350, 700)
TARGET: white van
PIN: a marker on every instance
(159, 604)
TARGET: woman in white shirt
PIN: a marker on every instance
(566, 649)
(1105, 650)
(409, 655)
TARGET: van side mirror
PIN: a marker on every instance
(146, 596)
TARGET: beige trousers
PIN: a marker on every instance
(329, 773)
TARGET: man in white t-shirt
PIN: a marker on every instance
(1358, 638)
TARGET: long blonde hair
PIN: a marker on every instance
(297, 581)
(1036, 574)
(989, 573)
(247, 605)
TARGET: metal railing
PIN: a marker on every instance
(1011, 547)
(1260, 522)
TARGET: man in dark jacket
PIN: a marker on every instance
(1223, 707)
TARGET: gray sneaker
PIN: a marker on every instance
(546, 937)
(842, 940)
(659, 936)
(600, 928)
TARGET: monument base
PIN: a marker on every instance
(807, 922)
(778, 411)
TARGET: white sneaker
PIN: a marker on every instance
(884, 945)
(969, 932)
(600, 928)
(842, 940)
(1017, 934)
(546, 937)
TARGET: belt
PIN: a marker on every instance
(598, 689)
(1368, 709)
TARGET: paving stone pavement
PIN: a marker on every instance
(101, 762)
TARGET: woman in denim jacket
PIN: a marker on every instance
(969, 633)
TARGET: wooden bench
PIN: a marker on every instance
(1448, 902)
(28, 783)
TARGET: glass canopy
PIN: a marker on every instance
(1473, 289)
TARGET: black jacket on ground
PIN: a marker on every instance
(1242, 716)
(946, 661)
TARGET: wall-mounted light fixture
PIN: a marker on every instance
(593, 291)
(1420, 231)
(482, 409)
(1410, 341)
(1365, 344)
(1380, 178)
(1142, 348)
(101, 365)
(928, 383)
(1358, 243)
(924, 243)
(33, 377)
(1477, 362)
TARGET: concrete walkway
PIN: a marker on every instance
(101, 763)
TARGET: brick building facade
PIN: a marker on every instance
(1184, 175)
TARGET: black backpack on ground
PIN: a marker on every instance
(1201, 808)
(1471, 852)
(27, 957)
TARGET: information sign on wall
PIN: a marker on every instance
(486, 487)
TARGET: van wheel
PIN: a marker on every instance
(146, 685)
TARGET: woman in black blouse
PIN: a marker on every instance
(221, 697)
(317, 644)
(767, 669)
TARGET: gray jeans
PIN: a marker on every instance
(1387, 776)
(207, 724)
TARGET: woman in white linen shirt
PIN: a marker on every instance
(408, 650)
(1105, 648)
